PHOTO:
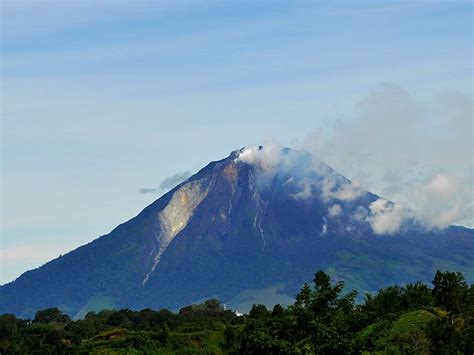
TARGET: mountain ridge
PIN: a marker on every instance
(259, 217)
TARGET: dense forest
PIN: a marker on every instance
(325, 319)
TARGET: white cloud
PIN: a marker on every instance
(304, 194)
(385, 217)
(441, 186)
(265, 157)
(334, 210)
(360, 214)
(324, 230)
(347, 191)
(442, 201)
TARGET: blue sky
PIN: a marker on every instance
(103, 98)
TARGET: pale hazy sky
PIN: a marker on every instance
(103, 98)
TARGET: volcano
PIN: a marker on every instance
(250, 228)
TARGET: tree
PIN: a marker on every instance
(51, 315)
(387, 301)
(303, 298)
(416, 296)
(446, 339)
(278, 311)
(120, 319)
(44, 337)
(323, 320)
(211, 308)
(324, 296)
(259, 311)
(10, 334)
(323, 315)
(450, 290)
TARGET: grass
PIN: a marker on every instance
(122, 341)
(195, 342)
(411, 321)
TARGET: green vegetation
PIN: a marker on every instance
(324, 319)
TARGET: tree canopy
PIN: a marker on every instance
(324, 319)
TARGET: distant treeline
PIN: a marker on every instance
(415, 319)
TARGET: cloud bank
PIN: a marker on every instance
(416, 149)
(443, 200)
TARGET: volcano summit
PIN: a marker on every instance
(250, 228)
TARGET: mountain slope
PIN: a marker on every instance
(259, 218)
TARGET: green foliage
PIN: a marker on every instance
(209, 309)
(413, 319)
(259, 311)
(416, 296)
(449, 290)
(51, 315)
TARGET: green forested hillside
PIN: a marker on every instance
(414, 319)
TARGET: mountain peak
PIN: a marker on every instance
(271, 156)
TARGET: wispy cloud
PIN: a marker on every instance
(30, 17)
(173, 180)
(148, 190)
(167, 184)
